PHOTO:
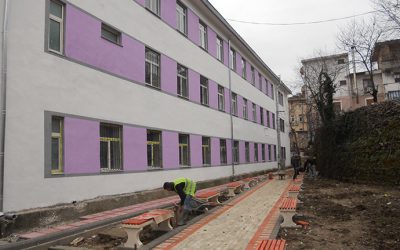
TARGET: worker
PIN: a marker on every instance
(186, 189)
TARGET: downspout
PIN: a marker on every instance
(278, 136)
(230, 103)
(3, 88)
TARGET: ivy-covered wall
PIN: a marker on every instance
(362, 146)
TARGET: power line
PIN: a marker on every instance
(302, 23)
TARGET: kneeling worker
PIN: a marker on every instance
(185, 188)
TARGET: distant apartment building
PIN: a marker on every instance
(298, 120)
(112, 97)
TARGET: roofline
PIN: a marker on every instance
(231, 29)
(325, 57)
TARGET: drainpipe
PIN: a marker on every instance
(278, 136)
(3, 87)
(230, 101)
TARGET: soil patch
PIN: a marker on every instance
(346, 216)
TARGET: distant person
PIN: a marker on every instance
(313, 167)
(295, 161)
(186, 189)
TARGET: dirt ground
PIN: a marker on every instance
(346, 216)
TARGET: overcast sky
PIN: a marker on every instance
(282, 47)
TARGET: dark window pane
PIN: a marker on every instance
(55, 154)
(103, 154)
(55, 38)
(56, 9)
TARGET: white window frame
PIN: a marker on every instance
(220, 49)
(156, 64)
(247, 152)
(181, 17)
(221, 98)
(256, 152)
(262, 115)
(108, 140)
(280, 98)
(203, 90)
(182, 79)
(263, 152)
(113, 31)
(153, 6)
(182, 147)
(61, 22)
(232, 63)
(203, 35)
(206, 151)
(260, 81)
(253, 76)
(244, 70)
(151, 144)
(234, 104)
(245, 112)
(60, 138)
(222, 149)
(236, 154)
(254, 107)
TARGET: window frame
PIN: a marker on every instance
(204, 91)
(109, 140)
(180, 79)
(182, 147)
(179, 15)
(280, 98)
(234, 104)
(244, 68)
(220, 49)
(149, 3)
(236, 153)
(113, 31)
(256, 152)
(61, 22)
(60, 138)
(253, 76)
(206, 151)
(152, 143)
(254, 107)
(203, 35)
(269, 152)
(247, 152)
(151, 63)
(232, 64)
(282, 125)
(221, 98)
(263, 152)
(245, 109)
(261, 115)
(223, 153)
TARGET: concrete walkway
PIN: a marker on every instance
(234, 226)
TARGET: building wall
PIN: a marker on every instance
(96, 81)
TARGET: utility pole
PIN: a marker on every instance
(354, 71)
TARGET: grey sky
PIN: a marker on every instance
(282, 47)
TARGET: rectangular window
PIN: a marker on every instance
(367, 84)
(206, 150)
(268, 120)
(184, 158)
(152, 68)
(245, 115)
(244, 72)
(301, 118)
(393, 95)
(57, 146)
(247, 151)
(280, 98)
(262, 116)
(222, 151)
(221, 98)
(234, 104)
(235, 151)
(110, 34)
(203, 35)
(269, 153)
(233, 59)
(182, 81)
(283, 152)
(220, 49)
(253, 76)
(203, 90)
(260, 80)
(272, 90)
(263, 152)
(181, 18)
(343, 83)
(273, 121)
(255, 152)
(282, 125)
(154, 156)
(56, 27)
(340, 61)
(110, 147)
(396, 77)
(153, 6)
(274, 152)
(254, 112)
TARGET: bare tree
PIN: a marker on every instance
(390, 10)
(362, 36)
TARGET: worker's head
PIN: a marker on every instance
(168, 186)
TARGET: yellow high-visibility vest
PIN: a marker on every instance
(190, 186)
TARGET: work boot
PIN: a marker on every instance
(183, 218)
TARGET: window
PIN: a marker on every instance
(393, 95)
(259, 80)
(337, 107)
(268, 120)
(247, 151)
(233, 59)
(234, 104)
(269, 153)
(396, 77)
(244, 72)
(273, 121)
(263, 152)
(282, 125)
(280, 98)
(283, 152)
(153, 6)
(184, 150)
(221, 98)
(274, 152)
(272, 90)
(222, 151)
(203, 35)
(56, 27)
(260, 85)
(110, 147)
(235, 151)
(245, 115)
(262, 116)
(154, 156)
(343, 83)
(253, 76)
(368, 85)
(301, 118)
(152, 68)
(220, 49)
(182, 81)
(110, 34)
(57, 134)
(181, 17)
(341, 61)
(256, 152)
(254, 112)
(206, 150)
(203, 90)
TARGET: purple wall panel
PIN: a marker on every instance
(213, 94)
(170, 153)
(194, 86)
(251, 145)
(226, 53)
(83, 42)
(258, 114)
(81, 146)
(134, 148)
(141, 2)
(229, 151)
(196, 158)
(168, 75)
(227, 101)
(193, 27)
(240, 106)
(270, 119)
(248, 72)
(215, 156)
(250, 108)
(168, 12)
(212, 42)
(259, 152)
(242, 154)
